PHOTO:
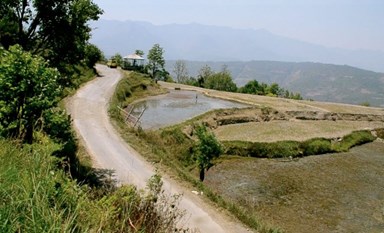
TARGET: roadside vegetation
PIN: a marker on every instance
(47, 182)
(38, 196)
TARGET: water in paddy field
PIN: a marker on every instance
(176, 107)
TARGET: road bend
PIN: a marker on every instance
(89, 111)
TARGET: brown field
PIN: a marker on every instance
(325, 193)
(281, 104)
(290, 130)
(328, 193)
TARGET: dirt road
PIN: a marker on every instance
(88, 109)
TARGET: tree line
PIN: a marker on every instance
(222, 81)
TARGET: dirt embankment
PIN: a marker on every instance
(235, 116)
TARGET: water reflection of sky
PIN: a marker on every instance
(176, 107)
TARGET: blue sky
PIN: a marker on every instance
(351, 24)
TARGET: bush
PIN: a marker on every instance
(316, 146)
(263, 149)
(294, 149)
(353, 139)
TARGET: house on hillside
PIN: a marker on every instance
(133, 62)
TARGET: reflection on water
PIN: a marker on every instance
(176, 107)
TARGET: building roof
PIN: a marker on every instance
(134, 57)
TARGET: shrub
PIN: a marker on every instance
(353, 139)
(293, 149)
(263, 149)
(316, 146)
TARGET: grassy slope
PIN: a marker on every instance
(37, 195)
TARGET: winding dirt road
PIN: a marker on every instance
(89, 111)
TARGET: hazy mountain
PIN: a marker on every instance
(212, 43)
(239, 49)
(323, 82)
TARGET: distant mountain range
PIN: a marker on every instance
(213, 43)
(255, 54)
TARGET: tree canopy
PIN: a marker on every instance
(221, 81)
(54, 29)
(206, 150)
(156, 62)
(28, 87)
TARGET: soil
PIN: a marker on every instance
(327, 193)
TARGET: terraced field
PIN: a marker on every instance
(298, 130)
(327, 193)
(341, 192)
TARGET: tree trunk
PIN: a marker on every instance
(202, 174)
(29, 132)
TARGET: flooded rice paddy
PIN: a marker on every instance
(177, 106)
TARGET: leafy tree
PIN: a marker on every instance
(156, 62)
(27, 88)
(274, 89)
(54, 29)
(221, 81)
(181, 71)
(252, 87)
(205, 72)
(139, 52)
(92, 55)
(207, 149)
(118, 58)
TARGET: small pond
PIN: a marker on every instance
(177, 106)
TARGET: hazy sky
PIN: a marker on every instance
(353, 24)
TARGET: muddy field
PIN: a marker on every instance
(327, 193)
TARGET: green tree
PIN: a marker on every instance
(27, 88)
(118, 58)
(252, 87)
(221, 81)
(156, 62)
(54, 29)
(181, 71)
(139, 52)
(204, 73)
(274, 89)
(206, 150)
(92, 55)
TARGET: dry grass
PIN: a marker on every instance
(281, 104)
(345, 108)
(290, 130)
